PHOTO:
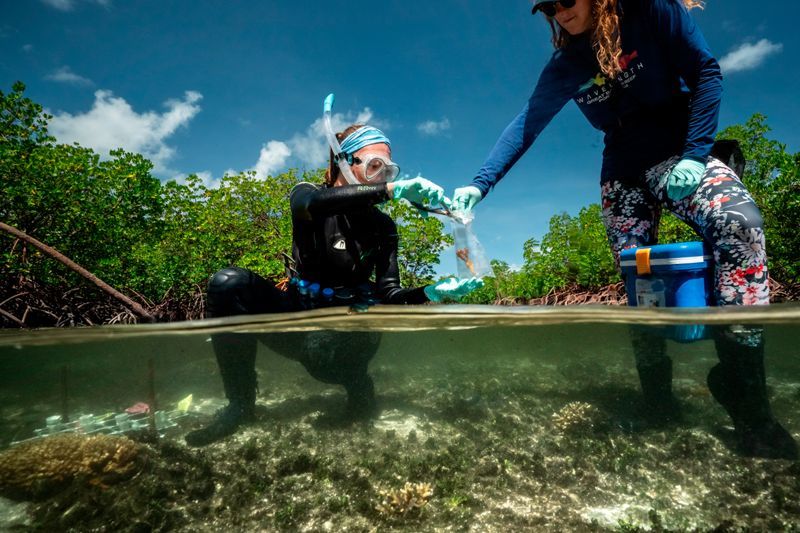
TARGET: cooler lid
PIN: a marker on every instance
(665, 256)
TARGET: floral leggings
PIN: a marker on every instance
(720, 210)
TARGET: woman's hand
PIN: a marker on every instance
(452, 288)
(684, 179)
(465, 199)
(416, 190)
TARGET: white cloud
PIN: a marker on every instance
(27, 48)
(62, 5)
(112, 123)
(65, 75)
(432, 127)
(311, 147)
(68, 5)
(308, 148)
(208, 179)
(273, 157)
(748, 56)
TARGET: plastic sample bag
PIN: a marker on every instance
(471, 258)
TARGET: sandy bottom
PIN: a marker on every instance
(508, 441)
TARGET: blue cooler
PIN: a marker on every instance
(670, 275)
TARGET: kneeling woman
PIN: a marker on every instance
(340, 239)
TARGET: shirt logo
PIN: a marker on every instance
(625, 60)
(340, 245)
(598, 80)
(598, 89)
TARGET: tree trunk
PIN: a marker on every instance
(55, 254)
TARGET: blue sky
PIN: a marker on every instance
(207, 87)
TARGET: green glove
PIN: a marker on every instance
(452, 288)
(684, 179)
(418, 190)
(465, 199)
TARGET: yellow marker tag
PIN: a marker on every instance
(183, 405)
(643, 261)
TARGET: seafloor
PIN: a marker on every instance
(511, 434)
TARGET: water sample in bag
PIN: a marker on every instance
(471, 259)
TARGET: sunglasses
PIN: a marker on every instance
(549, 8)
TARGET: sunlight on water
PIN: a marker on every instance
(519, 418)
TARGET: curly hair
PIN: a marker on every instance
(605, 33)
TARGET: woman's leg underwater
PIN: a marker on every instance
(631, 216)
(339, 358)
(236, 291)
(722, 211)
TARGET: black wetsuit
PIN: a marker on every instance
(340, 240)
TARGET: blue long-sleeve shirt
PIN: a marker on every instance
(664, 103)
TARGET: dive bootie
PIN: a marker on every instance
(236, 359)
(225, 422)
(655, 376)
(361, 402)
(660, 405)
(739, 384)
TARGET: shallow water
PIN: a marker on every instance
(472, 401)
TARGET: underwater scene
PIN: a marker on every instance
(487, 419)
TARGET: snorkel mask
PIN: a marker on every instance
(375, 165)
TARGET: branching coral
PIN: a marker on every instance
(409, 499)
(577, 418)
(39, 468)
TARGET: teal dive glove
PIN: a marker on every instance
(465, 198)
(452, 288)
(684, 179)
(417, 190)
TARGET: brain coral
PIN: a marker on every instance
(39, 468)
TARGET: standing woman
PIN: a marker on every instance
(340, 241)
(641, 72)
